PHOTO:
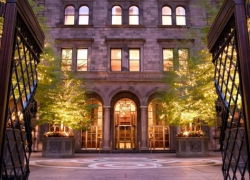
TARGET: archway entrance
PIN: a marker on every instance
(125, 124)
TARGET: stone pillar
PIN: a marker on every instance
(144, 129)
(106, 133)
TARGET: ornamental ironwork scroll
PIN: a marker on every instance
(228, 43)
(22, 42)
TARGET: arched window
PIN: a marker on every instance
(69, 15)
(133, 15)
(116, 15)
(180, 16)
(166, 16)
(84, 15)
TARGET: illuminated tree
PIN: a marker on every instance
(191, 95)
(60, 95)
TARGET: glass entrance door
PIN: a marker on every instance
(125, 124)
(125, 137)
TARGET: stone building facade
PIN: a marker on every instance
(120, 48)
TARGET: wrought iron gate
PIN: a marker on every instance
(21, 46)
(228, 43)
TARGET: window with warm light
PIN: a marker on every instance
(84, 15)
(133, 15)
(134, 60)
(168, 59)
(180, 16)
(166, 16)
(116, 59)
(66, 60)
(116, 15)
(183, 55)
(69, 16)
(82, 59)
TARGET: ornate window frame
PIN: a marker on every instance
(77, 4)
(125, 45)
(125, 5)
(74, 44)
(173, 5)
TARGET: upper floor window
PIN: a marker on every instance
(116, 59)
(66, 59)
(166, 16)
(175, 58)
(82, 59)
(168, 59)
(183, 55)
(180, 16)
(84, 15)
(69, 15)
(134, 60)
(116, 15)
(133, 15)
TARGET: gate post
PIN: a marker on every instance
(6, 53)
(21, 45)
(228, 41)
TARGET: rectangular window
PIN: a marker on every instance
(183, 59)
(82, 59)
(134, 60)
(66, 60)
(116, 59)
(168, 59)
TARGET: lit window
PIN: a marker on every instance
(180, 16)
(69, 15)
(133, 15)
(183, 59)
(116, 59)
(166, 16)
(84, 15)
(116, 15)
(134, 60)
(66, 59)
(82, 59)
(168, 57)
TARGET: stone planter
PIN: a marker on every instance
(192, 146)
(58, 147)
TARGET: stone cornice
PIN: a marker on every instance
(122, 76)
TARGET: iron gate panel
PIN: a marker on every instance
(21, 48)
(226, 41)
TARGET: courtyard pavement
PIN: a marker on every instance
(134, 166)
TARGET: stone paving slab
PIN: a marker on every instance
(160, 166)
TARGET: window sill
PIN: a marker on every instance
(74, 26)
(172, 26)
(125, 26)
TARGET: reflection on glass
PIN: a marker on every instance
(82, 59)
(168, 57)
(116, 15)
(183, 59)
(133, 15)
(92, 138)
(134, 60)
(180, 16)
(84, 15)
(158, 130)
(69, 15)
(166, 16)
(66, 59)
(116, 60)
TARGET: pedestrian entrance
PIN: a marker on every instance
(125, 124)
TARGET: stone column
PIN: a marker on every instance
(106, 133)
(144, 129)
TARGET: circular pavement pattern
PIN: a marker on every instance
(123, 163)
